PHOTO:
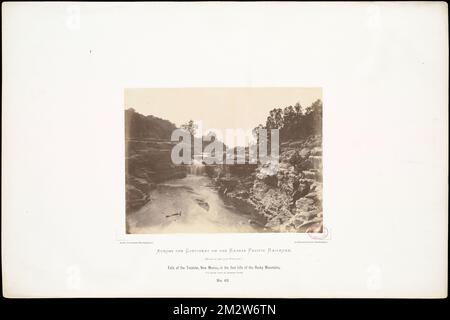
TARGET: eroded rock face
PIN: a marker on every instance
(147, 162)
(289, 199)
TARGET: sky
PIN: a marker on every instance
(218, 108)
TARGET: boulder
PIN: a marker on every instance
(316, 151)
(309, 174)
(316, 162)
(295, 144)
(304, 205)
(304, 152)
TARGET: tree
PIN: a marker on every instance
(289, 118)
(190, 127)
(295, 122)
(316, 116)
(275, 119)
(255, 132)
(298, 109)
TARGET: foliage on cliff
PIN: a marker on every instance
(295, 122)
(140, 126)
(289, 199)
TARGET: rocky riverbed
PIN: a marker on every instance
(254, 197)
(290, 199)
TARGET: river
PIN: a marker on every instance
(189, 205)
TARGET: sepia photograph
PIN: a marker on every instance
(223, 160)
(182, 150)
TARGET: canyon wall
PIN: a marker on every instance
(147, 163)
(289, 199)
(147, 157)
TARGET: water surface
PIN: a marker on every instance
(189, 205)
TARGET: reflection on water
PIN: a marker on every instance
(189, 205)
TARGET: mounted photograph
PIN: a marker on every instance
(223, 160)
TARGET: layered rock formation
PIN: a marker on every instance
(288, 199)
(147, 162)
(147, 157)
